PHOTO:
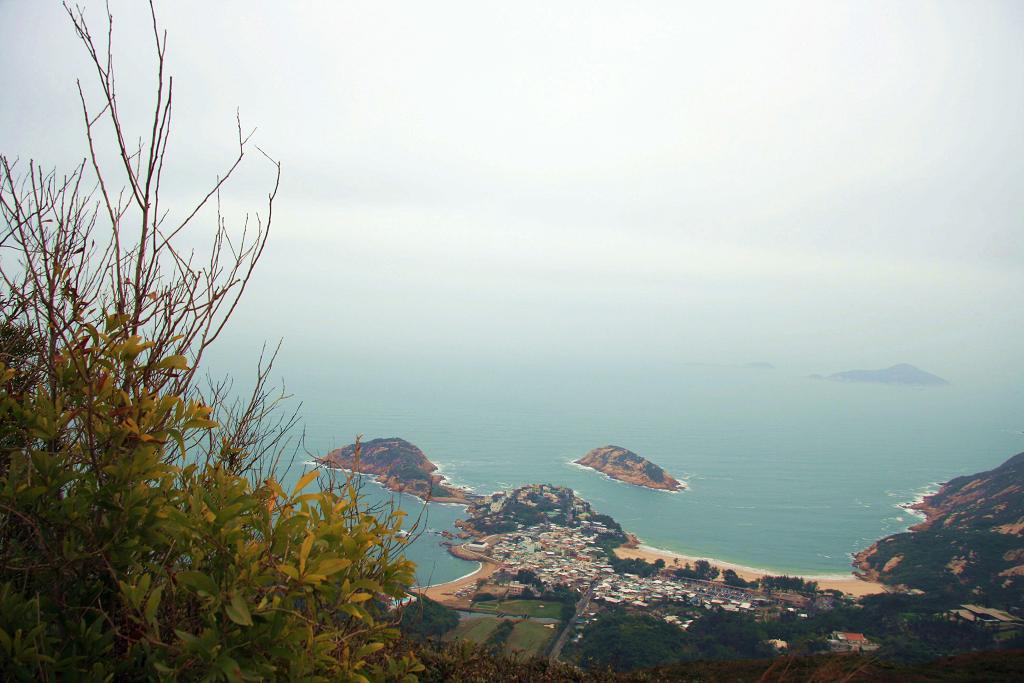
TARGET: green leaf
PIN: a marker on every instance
(289, 571)
(198, 581)
(178, 439)
(230, 667)
(238, 611)
(173, 363)
(306, 478)
(152, 604)
(186, 637)
(332, 566)
(200, 423)
(307, 545)
(368, 649)
(354, 611)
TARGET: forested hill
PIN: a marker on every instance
(971, 544)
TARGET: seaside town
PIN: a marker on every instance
(554, 573)
(551, 563)
(541, 539)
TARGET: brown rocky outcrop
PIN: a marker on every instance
(399, 466)
(992, 500)
(625, 465)
(971, 541)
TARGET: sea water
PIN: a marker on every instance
(784, 472)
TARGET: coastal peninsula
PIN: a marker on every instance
(554, 538)
(400, 467)
(971, 543)
(625, 465)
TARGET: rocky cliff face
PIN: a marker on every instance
(971, 542)
(992, 500)
(625, 465)
(400, 466)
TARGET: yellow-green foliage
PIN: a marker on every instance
(121, 558)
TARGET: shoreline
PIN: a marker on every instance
(850, 583)
(919, 506)
(847, 583)
(444, 593)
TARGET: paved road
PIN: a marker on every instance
(581, 607)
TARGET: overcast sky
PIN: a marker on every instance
(825, 183)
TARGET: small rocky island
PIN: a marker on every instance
(399, 466)
(625, 465)
(902, 373)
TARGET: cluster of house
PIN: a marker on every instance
(570, 556)
(637, 591)
(555, 501)
(558, 555)
(842, 641)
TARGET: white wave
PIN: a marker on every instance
(450, 480)
(919, 497)
(479, 566)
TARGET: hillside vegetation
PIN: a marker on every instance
(971, 544)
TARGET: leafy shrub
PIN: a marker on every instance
(702, 570)
(143, 531)
(123, 557)
(731, 578)
(788, 583)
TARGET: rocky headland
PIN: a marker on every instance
(399, 466)
(971, 542)
(625, 465)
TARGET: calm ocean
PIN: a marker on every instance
(785, 473)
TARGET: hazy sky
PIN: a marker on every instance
(832, 184)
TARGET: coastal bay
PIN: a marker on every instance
(794, 486)
(447, 592)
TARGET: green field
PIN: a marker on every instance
(529, 608)
(530, 638)
(475, 630)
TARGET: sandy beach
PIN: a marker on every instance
(445, 592)
(851, 584)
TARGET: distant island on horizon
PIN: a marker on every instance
(625, 465)
(901, 373)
